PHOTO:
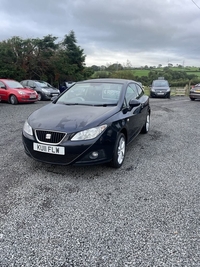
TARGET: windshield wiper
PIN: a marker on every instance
(74, 104)
(105, 105)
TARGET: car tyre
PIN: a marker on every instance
(146, 126)
(119, 151)
(192, 98)
(13, 100)
(39, 97)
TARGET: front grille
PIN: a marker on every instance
(49, 137)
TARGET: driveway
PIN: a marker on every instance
(144, 214)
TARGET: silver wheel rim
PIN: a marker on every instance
(121, 150)
(12, 100)
(147, 123)
(39, 97)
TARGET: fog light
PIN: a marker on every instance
(94, 155)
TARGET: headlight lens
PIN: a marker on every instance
(89, 134)
(27, 128)
(21, 93)
(45, 91)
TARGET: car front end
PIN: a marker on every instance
(24, 96)
(87, 147)
(48, 93)
(160, 92)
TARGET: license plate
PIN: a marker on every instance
(32, 96)
(160, 93)
(57, 150)
(197, 91)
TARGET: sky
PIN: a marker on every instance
(137, 33)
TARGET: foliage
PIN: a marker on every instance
(43, 58)
(47, 59)
(177, 76)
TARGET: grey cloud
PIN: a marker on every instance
(153, 30)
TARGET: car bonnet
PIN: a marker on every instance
(69, 118)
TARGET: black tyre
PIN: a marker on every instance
(192, 98)
(13, 100)
(39, 97)
(119, 151)
(146, 126)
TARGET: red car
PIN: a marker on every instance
(13, 92)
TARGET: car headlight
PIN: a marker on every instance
(27, 128)
(21, 93)
(89, 134)
(152, 89)
(45, 91)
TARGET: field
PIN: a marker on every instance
(188, 70)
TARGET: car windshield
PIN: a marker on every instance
(160, 83)
(92, 93)
(14, 84)
(47, 84)
(42, 84)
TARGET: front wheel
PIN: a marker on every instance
(39, 97)
(13, 100)
(146, 126)
(119, 151)
(192, 98)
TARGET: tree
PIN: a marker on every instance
(75, 57)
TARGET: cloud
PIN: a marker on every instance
(145, 33)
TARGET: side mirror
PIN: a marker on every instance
(3, 87)
(134, 103)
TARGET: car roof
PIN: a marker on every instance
(7, 80)
(108, 80)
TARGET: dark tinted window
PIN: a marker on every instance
(160, 83)
(2, 84)
(139, 89)
(131, 92)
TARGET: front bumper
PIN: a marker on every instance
(78, 153)
(160, 93)
(49, 97)
(27, 100)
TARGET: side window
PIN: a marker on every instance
(30, 84)
(131, 92)
(24, 83)
(140, 91)
(2, 85)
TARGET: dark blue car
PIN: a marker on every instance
(92, 122)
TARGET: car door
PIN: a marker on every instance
(134, 114)
(3, 91)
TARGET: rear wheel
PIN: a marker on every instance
(119, 151)
(13, 100)
(192, 98)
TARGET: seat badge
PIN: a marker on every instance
(48, 136)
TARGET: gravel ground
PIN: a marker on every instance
(147, 213)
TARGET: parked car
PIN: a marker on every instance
(45, 90)
(13, 92)
(160, 88)
(92, 123)
(195, 92)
